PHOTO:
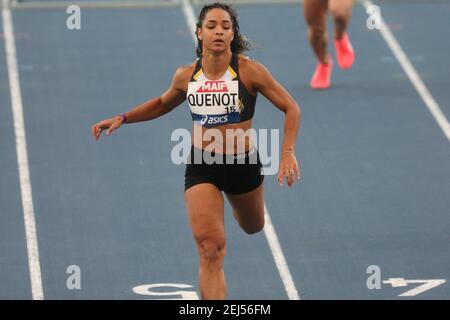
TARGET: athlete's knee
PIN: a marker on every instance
(254, 228)
(317, 32)
(340, 18)
(211, 250)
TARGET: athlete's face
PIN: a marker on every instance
(216, 31)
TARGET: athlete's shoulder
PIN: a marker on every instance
(185, 71)
(245, 61)
(182, 76)
(252, 68)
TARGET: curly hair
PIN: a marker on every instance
(239, 43)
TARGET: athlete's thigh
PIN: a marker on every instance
(341, 7)
(315, 12)
(205, 207)
(249, 207)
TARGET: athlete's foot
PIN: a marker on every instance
(344, 52)
(321, 78)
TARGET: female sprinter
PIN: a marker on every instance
(221, 88)
(316, 12)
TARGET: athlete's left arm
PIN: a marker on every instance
(263, 82)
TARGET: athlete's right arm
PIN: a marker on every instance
(151, 109)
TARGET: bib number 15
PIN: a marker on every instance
(230, 109)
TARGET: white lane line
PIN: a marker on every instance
(269, 230)
(412, 74)
(279, 258)
(22, 156)
(189, 14)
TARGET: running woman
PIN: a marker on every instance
(221, 88)
(316, 12)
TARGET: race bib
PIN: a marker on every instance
(214, 103)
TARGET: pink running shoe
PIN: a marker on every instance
(321, 78)
(344, 52)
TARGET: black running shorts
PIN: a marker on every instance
(233, 174)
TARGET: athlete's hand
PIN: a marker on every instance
(109, 124)
(288, 168)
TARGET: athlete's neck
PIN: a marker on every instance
(215, 65)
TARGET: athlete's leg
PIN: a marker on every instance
(248, 209)
(204, 203)
(341, 11)
(316, 18)
(315, 12)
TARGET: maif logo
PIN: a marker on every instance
(213, 86)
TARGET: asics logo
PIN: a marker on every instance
(213, 119)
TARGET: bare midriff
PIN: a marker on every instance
(234, 138)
